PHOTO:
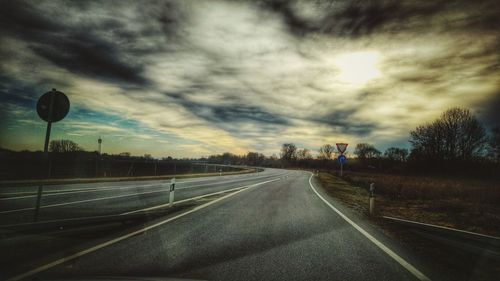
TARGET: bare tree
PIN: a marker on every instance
(396, 154)
(366, 151)
(456, 135)
(288, 153)
(62, 146)
(303, 154)
(254, 159)
(326, 151)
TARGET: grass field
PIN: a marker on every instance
(460, 208)
(471, 205)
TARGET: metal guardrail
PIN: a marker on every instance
(466, 240)
(16, 183)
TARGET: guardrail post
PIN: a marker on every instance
(171, 193)
(372, 199)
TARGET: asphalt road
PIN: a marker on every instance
(94, 199)
(279, 230)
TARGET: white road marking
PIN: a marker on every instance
(111, 197)
(194, 198)
(107, 188)
(182, 180)
(121, 238)
(31, 193)
(80, 190)
(27, 194)
(82, 201)
(417, 273)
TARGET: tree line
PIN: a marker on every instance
(454, 142)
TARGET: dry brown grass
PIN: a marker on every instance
(447, 210)
(464, 204)
(430, 188)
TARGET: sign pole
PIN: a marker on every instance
(341, 147)
(51, 107)
(45, 154)
(47, 137)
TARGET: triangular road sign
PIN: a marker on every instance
(341, 147)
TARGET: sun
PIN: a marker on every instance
(358, 68)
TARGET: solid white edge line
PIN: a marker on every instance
(121, 238)
(417, 273)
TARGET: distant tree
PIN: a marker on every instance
(304, 154)
(494, 143)
(148, 156)
(229, 158)
(326, 151)
(288, 153)
(457, 134)
(396, 154)
(124, 154)
(62, 146)
(366, 151)
(226, 158)
(253, 159)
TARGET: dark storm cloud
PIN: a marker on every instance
(351, 18)
(21, 93)
(295, 23)
(22, 19)
(77, 48)
(358, 18)
(239, 113)
(227, 114)
(87, 55)
(343, 120)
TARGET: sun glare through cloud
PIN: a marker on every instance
(358, 68)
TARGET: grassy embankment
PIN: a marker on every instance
(463, 204)
(472, 205)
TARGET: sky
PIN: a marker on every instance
(195, 78)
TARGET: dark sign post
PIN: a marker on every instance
(52, 106)
(341, 147)
(342, 160)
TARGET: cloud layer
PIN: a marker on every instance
(190, 78)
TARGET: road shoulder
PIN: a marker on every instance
(440, 261)
(373, 230)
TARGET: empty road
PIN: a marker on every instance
(106, 198)
(285, 228)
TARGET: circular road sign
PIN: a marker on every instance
(342, 159)
(60, 106)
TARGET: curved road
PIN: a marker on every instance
(279, 230)
(93, 199)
